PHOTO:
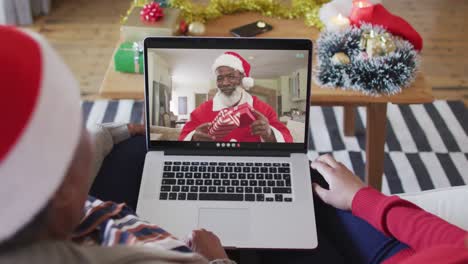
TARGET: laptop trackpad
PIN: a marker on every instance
(228, 224)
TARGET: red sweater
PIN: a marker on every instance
(430, 239)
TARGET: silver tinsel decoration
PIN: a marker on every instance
(387, 74)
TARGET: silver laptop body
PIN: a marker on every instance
(267, 201)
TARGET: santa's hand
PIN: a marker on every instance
(201, 133)
(261, 127)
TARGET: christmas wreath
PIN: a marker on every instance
(366, 48)
(366, 59)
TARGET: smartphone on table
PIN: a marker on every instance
(252, 29)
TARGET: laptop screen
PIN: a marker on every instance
(227, 98)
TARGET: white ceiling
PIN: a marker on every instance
(186, 64)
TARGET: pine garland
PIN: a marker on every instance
(386, 75)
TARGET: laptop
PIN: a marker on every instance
(226, 122)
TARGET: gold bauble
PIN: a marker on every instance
(196, 29)
(377, 44)
(340, 58)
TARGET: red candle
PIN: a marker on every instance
(362, 10)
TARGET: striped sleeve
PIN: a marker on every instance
(111, 224)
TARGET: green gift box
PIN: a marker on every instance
(129, 57)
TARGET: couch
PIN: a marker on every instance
(450, 204)
(164, 133)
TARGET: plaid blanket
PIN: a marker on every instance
(110, 224)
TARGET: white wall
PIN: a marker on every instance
(267, 83)
(189, 90)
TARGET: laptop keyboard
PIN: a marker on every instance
(226, 181)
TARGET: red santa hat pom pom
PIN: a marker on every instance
(151, 12)
(237, 62)
(378, 15)
(247, 82)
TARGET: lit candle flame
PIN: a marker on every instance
(362, 4)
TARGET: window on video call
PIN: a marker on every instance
(227, 95)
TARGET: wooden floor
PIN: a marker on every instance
(85, 31)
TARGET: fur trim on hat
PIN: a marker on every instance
(247, 82)
(228, 60)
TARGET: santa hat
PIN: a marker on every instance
(237, 62)
(41, 126)
(379, 15)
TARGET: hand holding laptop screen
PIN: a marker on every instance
(211, 95)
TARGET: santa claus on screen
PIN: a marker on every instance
(233, 81)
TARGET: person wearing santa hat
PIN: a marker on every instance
(47, 162)
(233, 80)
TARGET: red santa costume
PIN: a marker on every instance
(207, 111)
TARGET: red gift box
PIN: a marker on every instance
(246, 116)
(231, 118)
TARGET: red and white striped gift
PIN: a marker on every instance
(231, 118)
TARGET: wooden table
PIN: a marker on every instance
(130, 86)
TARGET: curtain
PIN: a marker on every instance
(21, 12)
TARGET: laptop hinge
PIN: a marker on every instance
(198, 152)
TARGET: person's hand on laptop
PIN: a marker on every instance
(343, 183)
(201, 133)
(207, 244)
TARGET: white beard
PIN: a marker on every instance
(230, 100)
